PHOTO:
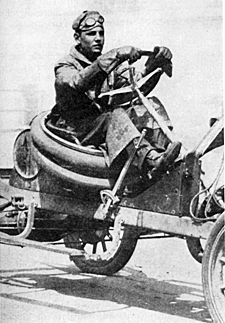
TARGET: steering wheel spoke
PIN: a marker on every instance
(125, 95)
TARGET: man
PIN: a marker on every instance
(84, 74)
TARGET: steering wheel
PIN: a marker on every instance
(123, 96)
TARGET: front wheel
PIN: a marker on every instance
(106, 250)
(213, 271)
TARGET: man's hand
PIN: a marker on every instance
(130, 53)
(162, 52)
(162, 58)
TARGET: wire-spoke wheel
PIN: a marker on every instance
(106, 250)
(213, 271)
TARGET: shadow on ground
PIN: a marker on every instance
(129, 288)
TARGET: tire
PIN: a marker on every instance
(213, 271)
(109, 261)
(86, 161)
(195, 248)
(77, 166)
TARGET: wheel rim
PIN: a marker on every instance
(217, 275)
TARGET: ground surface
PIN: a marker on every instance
(161, 283)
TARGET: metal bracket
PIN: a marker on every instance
(18, 201)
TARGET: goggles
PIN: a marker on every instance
(89, 22)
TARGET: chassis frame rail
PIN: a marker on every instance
(21, 242)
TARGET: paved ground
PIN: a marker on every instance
(161, 283)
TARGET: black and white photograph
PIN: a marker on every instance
(112, 205)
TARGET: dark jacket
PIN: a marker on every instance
(78, 82)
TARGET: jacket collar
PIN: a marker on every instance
(77, 55)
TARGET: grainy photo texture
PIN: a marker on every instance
(111, 161)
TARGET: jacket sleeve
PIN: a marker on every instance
(109, 61)
(69, 73)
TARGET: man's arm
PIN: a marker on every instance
(68, 72)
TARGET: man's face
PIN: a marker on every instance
(91, 42)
